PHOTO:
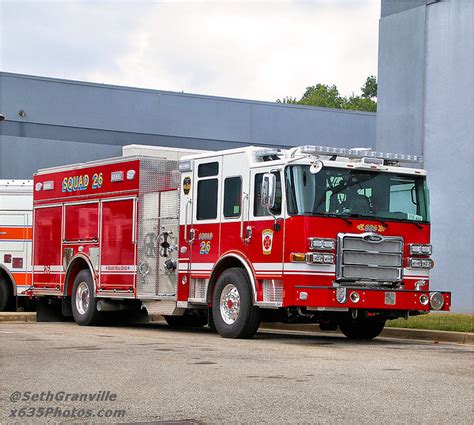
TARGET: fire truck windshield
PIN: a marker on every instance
(356, 193)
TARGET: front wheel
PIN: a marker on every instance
(362, 328)
(83, 300)
(233, 312)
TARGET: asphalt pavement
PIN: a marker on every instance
(61, 372)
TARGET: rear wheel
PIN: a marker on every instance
(7, 300)
(233, 312)
(362, 328)
(83, 300)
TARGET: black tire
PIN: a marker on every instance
(87, 315)
(210, 322)
(191, 319)
(247, 320)
(362, 328)
(7, 300)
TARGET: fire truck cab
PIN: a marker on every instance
(16, 204)
(312, 234)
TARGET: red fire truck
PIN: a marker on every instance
(313, 234)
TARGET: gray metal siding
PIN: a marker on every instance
(426, 105)
(92, 120)
(401, 81)
(101, 107)
(390, 7)
(449, 145)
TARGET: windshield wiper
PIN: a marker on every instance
(342, 217)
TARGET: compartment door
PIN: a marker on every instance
(117, 268)
(47, 259)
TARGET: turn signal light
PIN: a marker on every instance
(297, 256)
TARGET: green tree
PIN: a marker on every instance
(322, 95)
(327, 96)
(360, 103)
(369, 89)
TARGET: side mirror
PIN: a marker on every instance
(268, 190)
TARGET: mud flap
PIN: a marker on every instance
(50, 310)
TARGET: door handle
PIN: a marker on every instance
(188, 203)
(248, 234)
(192, 235)
(245, 200)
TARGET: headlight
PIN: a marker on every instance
(426, 249)
(420, 263)
(322, 244)
(427, 264)
(414, 263)
(328, 258)
(418, 249)
(319, 258)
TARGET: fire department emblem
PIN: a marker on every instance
(186, 185)
(376, 228)
(267, 241)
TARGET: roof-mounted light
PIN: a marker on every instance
(267, 153)
(359, 153)
(185, 166)
(372, 161)
(322, 150)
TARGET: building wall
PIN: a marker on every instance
(448, 144)
(400, 82)
(426, 106)
(70, 121)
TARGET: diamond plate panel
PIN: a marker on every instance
(158, 227)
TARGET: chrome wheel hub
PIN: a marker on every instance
(82, 298)
(230, 304)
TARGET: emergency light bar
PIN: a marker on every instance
(359, 153)
(264, 153)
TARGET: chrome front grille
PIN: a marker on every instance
(370, 258)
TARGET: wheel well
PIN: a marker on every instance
(76, 266)
(6, 277)
(224, 264)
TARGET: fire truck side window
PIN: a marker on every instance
(207, 199)
(232, 196)
(209, 169)
(258, 210)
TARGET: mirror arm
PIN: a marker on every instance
(276, 225)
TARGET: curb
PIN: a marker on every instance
(395, 333)
(21, 317)
(429, 335)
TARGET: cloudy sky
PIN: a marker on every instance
(248, 49)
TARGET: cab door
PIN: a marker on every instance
(234, 214)
(265, 244)
(204, 234)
